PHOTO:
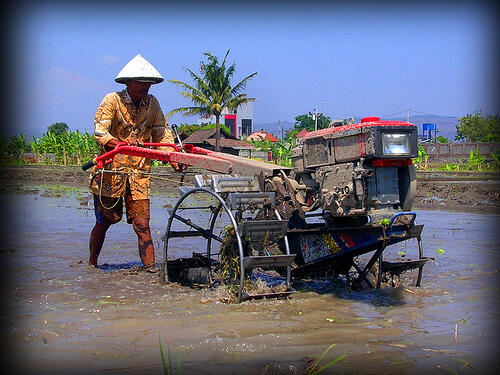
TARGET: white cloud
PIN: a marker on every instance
(60, 95)
(60, 85)
(110, 59)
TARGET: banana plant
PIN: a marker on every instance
(17, 145)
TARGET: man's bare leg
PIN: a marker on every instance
(145, 241)
(96, 241)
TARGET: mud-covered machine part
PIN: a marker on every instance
(234, 196)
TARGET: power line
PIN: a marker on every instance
(394, 114)
(425, 113)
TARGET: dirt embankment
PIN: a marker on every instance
(466, 191)
(469, 192)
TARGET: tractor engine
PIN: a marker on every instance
(357, 172)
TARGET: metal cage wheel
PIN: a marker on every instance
(208, 233)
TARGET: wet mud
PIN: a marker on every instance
(61, 317)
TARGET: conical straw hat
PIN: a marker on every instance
(139, 69)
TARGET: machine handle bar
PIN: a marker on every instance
(123, 146)
(188, 155)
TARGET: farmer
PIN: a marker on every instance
(132, 116)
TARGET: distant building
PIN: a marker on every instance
(239, 121)
(302, 133)
(427, 133)
(262, 136)
(299, 136)
(228, 143)
(182, 136)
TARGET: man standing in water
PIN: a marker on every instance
(132, 116)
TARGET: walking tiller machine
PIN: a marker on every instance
(349, 193)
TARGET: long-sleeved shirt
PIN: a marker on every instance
(118, 118)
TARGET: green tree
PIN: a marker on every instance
(212, 91)
(4, 152)
(189, 128)
(477, 128)
(291, 133)
(17, 145)
(307, 121)
(442, 139)
(58, 128)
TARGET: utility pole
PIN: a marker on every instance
(315, 120)
(279, 130)
(408, 115)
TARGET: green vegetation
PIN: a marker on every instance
(229, 258)
(496, 160)
(384, 222)
(476, 161)
(191, 128)
(212, 91)
(70, 147)
(422, 161)
(60, 145)
(14, 147)
(281, 151)
(313, 370)
(478, 128)
(58, 128)
(307, 121)
(168, 369)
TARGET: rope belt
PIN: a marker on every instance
(154, 175)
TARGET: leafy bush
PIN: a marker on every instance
(67, 148)
(422, 161)
(281, 151)
(450, 167)
(476, 160)
(496, 160)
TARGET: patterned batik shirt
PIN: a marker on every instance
(118, 118)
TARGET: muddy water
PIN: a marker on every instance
(61, 317)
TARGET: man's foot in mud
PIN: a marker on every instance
(150, 269)
(92, 268)
(133, 271)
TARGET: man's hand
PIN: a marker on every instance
(177, 167)
(112, 143)
(134, 142)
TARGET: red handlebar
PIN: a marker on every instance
(125, 148)
(188, 155)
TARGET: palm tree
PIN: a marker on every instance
(212, 91)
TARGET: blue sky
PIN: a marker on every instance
(344, 60)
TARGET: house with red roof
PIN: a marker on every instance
(262, 136)
(302, 133)
(228, 143)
